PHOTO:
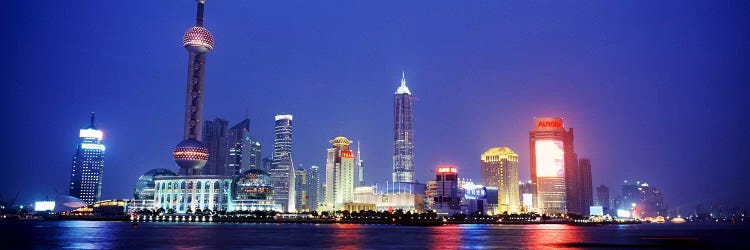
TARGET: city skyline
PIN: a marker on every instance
(435, 84)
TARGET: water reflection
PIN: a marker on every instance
(347, 236)
(551, 236)
(445, 237)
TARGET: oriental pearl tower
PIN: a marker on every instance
(191, 154)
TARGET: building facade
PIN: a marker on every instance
(340, 174)
(313, 187)
(215, 137)
(88, 165)
(238, 141)
(585, 188)
(499, 168)
(255, 158)
(553, 165)
(403, 134)
(446, 200)
(282, 167)
(302, 199)
(602, 198)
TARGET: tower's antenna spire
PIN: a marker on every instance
(92, 121)
(403, 78)
(199, 15)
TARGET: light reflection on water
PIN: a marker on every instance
(106, 235)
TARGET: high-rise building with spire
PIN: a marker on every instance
(403, 133)
(360, 168)
(88, 165)
(191, 154)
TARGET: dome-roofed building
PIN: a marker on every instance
(145, 188)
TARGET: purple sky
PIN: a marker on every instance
(655, 90)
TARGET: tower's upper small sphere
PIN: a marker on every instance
(191, 154)
(198, 39)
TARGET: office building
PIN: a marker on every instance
(240, 143)
(267, 164)
(215, 136)
(314, 194)
(88, 165)
(585, 189)
(403, 134)
(255, 160)
(602, 198)
(282, 167)
(340, 174)
(301, 196)
(553, 165)
(499, 168)
(446, 200)
(360, 168)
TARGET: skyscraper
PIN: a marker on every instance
(190, 154)
(88, 165)
(240, 143)
(313, 188)
(282, 169)
(585, 185)
(255, 160)
(301, 196)
(552, 160)
(215, 137)
(267, 164)
(499, 168)
(602, 198)
(360, 168)
(403, 134)
(340, 174)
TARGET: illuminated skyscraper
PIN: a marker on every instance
(403, 134)
(340, 174)
(240, 148)
(255, 160)
(553, 165)
(360, 168)
(282, 168)
(313, 188)
(499, 168)
(215, 138)
(190, 154)
(585, 186)
(88, 165)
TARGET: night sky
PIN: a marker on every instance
(655, 90)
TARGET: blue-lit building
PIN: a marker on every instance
(88, 164)
(403, 134)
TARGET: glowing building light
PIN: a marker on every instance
(91, 133)
(550, 158)
(44, 206)
(92, 146)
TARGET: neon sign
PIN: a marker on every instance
(446, 170)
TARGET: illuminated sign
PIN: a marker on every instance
(550, 158)
(44, 206)
(623, 213)
(549, 123)
(596, 210)
(92, 146)
(91, 133)
(473, 192)
(446, 170)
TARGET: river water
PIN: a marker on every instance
(122, 235)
